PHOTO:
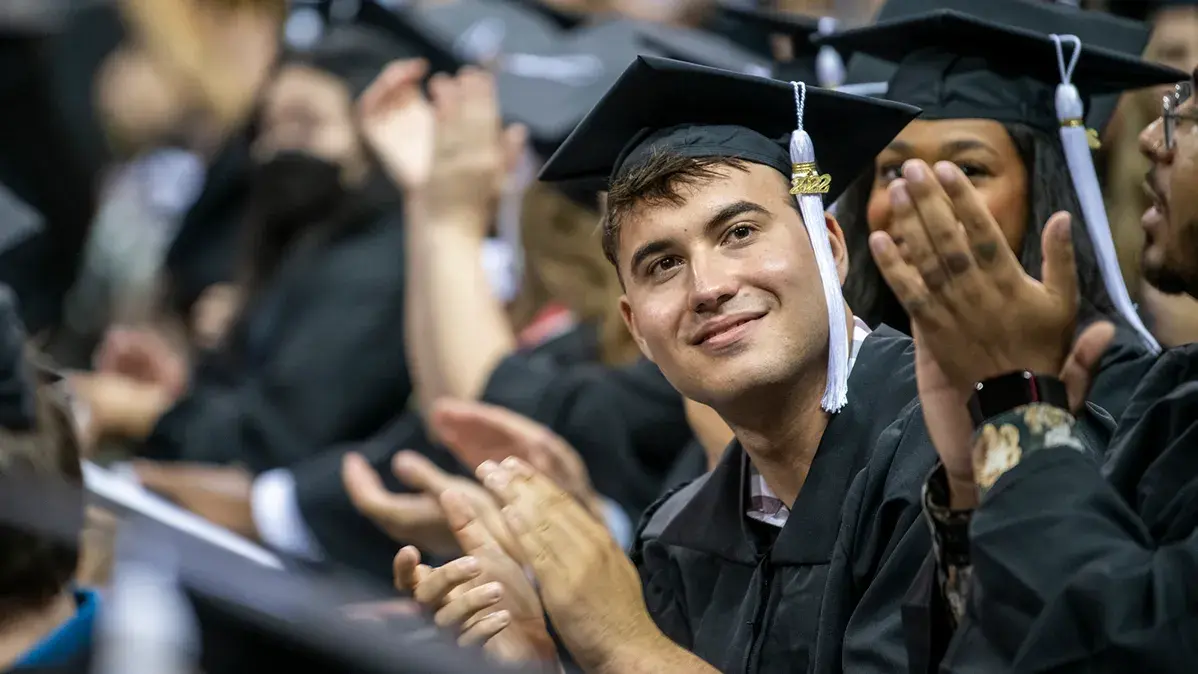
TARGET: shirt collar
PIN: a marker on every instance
(764, 505)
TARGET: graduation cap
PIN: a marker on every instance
(754, 29)
(663, 104)
(958, 66)
(1143, 10)
(565, 19)
(355, 54)
(692, 45)
(1093, 28)
(250, 616)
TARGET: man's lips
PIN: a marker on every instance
(718, 326)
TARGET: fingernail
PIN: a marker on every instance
(497, 478)
(468, 564)
(503, 617)
(898, 195)
(487, 467)
(493, 590)
(878, 242)
(510, 462)
(913, 170)
(946, 172)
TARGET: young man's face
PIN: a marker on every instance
(1170, 258)
(722, 292)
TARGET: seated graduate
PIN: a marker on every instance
(1066, 563)
(311, 359)
(44, 619)
(719, 234)
(996, 118)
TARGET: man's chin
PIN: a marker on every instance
(1169, 281)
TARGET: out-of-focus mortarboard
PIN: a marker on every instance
(1097, 29)
(691, 45)
(755, 30)
(958, 66)
(250, 616)
(1143, 10)
(354, 54)
(661, 104)
(564, 18)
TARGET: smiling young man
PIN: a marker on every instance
(732, 276)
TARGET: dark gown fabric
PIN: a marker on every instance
(316, 361)
(1082, 567)
(750, 598)
(344, 535)
(614, 417)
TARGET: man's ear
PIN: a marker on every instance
(630, 321)
(840, 251)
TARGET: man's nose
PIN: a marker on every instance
(713, 284)
(1152, 142)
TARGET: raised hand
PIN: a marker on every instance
(979, 314)
(398, 122)
(473, 153)
(417, 518)
(476, 432)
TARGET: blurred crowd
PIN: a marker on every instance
(598, 335)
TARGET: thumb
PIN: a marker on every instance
(463, 520)
(419, 473)
(362, 483)
(1060, 271)
(1082, 363)
(515, 138)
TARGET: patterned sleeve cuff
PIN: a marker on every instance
(950, 542)
(1009, 438)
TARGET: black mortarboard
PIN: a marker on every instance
(958, 66)
(696, 109)
(1096, 29)
(693, 46)
(1142, 10)
(754, 29)
(955, 65)
(250, 616)
(661, 104)
(355, 54)
(406, 26)
(547, 79)
(479, 30)
(565, 19)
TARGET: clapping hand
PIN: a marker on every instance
(477, 432)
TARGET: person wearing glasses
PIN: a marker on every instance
(1069, 563)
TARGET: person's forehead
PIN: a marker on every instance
(698, 201)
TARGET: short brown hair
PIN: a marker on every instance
(33, 569)
(654, 182)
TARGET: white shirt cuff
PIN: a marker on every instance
(278, 518)
(618, 523)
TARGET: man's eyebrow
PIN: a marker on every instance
(717, 219)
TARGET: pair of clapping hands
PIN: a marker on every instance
(449, 151)
(975, 313)
(517, 518)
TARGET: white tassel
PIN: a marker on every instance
(811, 206)
(1076, 141)
(829, 65)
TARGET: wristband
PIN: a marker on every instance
(1006, 392)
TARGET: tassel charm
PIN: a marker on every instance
(805, 178)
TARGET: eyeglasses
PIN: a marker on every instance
(1170, 103)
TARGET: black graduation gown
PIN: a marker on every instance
(712, 584)
(316, 362)
(344, 535)
(627, 423)
(1082, 569)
